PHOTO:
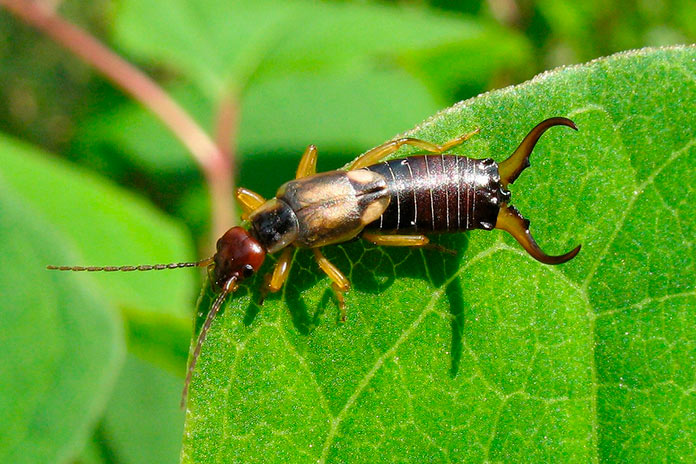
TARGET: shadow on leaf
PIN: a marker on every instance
(372, 270)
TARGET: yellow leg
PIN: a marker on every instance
(340, 283)
(274, 281)
(379, 153)
(249, 201)
(404, 241)
(396, 240)
(308, 163)
(281, 271)
(340, 299)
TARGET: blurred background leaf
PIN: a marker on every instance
(62, 343)
(102, 224)
(108, 224)
(141, 422)
(343, 75)
(225, 46)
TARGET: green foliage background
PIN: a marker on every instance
(487, 356)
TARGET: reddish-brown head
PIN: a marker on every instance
(238, 255)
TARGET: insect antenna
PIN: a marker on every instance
(142, 267)
(229, 287)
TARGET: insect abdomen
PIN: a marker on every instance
(440, 193)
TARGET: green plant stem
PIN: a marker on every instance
(215, 162)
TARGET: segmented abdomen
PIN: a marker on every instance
(440, 193)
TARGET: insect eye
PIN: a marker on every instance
(247, 271)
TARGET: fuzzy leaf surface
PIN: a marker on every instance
(490, 356)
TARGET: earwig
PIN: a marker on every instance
(390, 203)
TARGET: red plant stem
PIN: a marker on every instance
(226, 125)
(214, 163)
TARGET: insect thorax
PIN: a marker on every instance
(274, 225)
(333, 207)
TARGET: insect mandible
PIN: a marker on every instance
(390, 203)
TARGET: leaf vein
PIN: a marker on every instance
(638, 191)
(429, 308)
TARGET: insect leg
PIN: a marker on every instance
(307, 167)
(511, 221)
(340, 283)
(281, 270)
(275, 280)
(308, 163)
(380, 152)
(249, 201)
(396, 240)
(457, 141)
(404, 241)
(512, 167)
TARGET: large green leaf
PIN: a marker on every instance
(143, 421)
(334, 111)
(489, 355)
(108, 225)
(61, 343)
(62, 355)
(337, 69)
(222, 45)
